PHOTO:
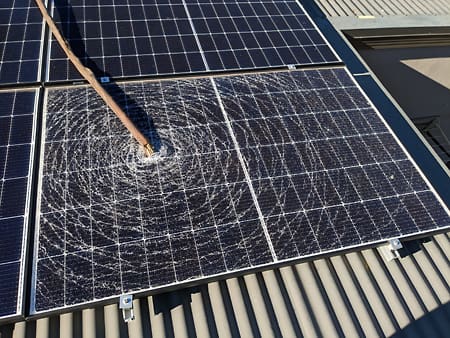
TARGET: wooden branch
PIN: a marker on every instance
(89, 76)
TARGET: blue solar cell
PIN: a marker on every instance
(400, 215)
(210, 251)
(159, 253)
(438, 214)
(52, 243)
(283, 242)
(185, 256)
(379, 180)
(135, 271)
(5, 126)
(13, 197)
(106, 280)
(233, 247)
(17, 161)
(200, 210)
(302, 234)
(21, 129)
(363, 223)
(419, 212)
(396, 178)
(324, 231)
(256, 243)
(343, 226)
(11, 239)
(361, 182)
(382, 218)
(51, 273)
(9, 288)
(76, 290)
(6, 109)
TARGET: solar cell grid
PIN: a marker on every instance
(252, 170)
(16, 148)
(123, 39)
(20, 41)
(160, 37)
(257, 34)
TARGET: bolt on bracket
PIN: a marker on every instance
(390, 251)
(126, 304)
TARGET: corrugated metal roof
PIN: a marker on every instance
(351, 295)
(374, 14)
(339, 8)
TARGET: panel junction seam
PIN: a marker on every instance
(244, 168)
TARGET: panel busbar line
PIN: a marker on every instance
(17, 116)
(21, 32)
(160, 37)
(298, 162)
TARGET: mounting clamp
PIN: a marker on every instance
(391, 249)
(126, 304)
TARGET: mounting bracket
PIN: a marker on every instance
(126, 304)
(390, 251)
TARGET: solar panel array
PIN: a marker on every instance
(20, 41)
(125, 39)
(252, 170)
(160, 37)
(16, 149)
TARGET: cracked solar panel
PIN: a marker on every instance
(326, 170)
(252, 170)
(107, 210)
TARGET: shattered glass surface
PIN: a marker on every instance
(251, 170)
